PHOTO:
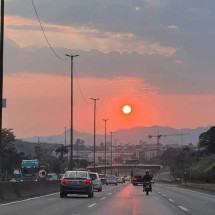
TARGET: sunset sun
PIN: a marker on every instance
(126, 109)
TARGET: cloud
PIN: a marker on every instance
(24, 33)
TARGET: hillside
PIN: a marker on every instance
(131, 136)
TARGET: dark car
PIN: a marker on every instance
(76, 182)
(137, 179)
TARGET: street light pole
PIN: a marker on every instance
(1, 79)
(111, 133)
(105, 120)
(94, 145)
(65, 135)
(71, 130)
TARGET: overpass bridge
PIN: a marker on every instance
(126, 167)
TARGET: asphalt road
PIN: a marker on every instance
(123, 199)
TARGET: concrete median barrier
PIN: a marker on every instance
(7, 191)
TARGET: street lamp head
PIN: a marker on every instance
(70, 55)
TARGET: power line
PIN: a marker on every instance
(79, 87)
(44, 34)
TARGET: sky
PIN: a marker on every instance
(155, 55)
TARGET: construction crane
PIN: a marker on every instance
(158, 136)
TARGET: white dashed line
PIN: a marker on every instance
(103, 198)
(159, 192)
(183, 208)
(90, 206)
(164, 195)
(171, 200)
(109, 194)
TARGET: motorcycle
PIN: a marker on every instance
(147, 187)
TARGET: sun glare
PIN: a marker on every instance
(126, 109)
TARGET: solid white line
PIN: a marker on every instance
(198, 192)
(171, 200)
(90, 206)
(103, 198)
(25, 200)
(183, 208)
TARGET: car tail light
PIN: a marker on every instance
(134, 178)
(86, 181)
(147, 182)
(64, 181)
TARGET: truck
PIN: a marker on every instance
(137, 176)
(30, 170)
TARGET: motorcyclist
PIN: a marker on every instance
(147, 177)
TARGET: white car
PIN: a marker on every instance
(97, 183)
(51, 177)
(120, 180)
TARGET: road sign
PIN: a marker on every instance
(3, 103)
(42, 173)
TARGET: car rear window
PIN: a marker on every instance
(76, 175)
(93, 176)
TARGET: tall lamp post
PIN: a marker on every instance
(1, 79)
(71, 131)
(94, 145)
(105, 120)
(111, 151)
(65, 136)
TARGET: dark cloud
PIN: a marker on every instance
(161, 72)
(186, 25)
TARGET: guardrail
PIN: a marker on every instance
(10, 191)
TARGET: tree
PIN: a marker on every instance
(62, 150)
(10, 159)
(207, 141)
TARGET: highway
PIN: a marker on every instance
(123, 199)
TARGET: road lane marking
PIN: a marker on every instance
(26, 200)
(103, 198)
(90, 206)
(164, 195)
(159, 192)
(171, 200)
(109, 194)
(183, 208)
(198, 192)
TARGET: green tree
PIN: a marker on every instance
(207, 141)
(9, 158)
(62, 150)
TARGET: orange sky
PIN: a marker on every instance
(169, 81)
(39, 105)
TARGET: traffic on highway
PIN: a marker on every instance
(122, 199)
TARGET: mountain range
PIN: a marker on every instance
(134, 135)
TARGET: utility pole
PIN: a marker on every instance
(71, 130)
(94, 139)
(1, 79)
(65, 136)
(105, 120)
(111, 141)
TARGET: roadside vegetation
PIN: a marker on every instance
(198, 163)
